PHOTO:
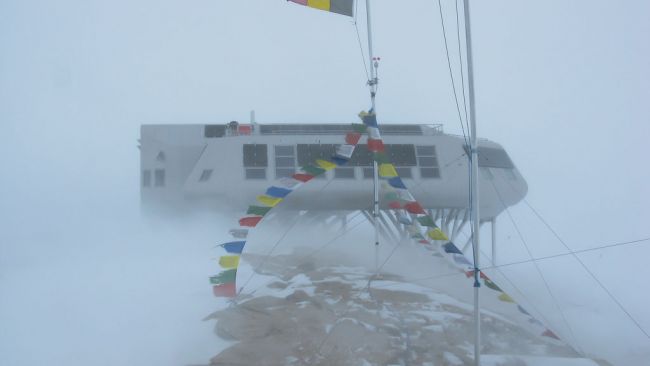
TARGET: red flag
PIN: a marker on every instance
(225, 290)
(250, 221)
(375, 145)
(394, 205)
(303, 177)
(414, 208)
(352, 138)
(548, 333)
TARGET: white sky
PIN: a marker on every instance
(562, 85)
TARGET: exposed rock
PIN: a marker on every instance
(333, 319)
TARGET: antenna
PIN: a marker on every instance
(474, 208)
(372, 84)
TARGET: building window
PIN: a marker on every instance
(255, 173)
(309, 153)
(159, 178)
(344, 173)
(255, 155)
(428, 161)
(492, 157)
(404, 172)
(285, 160)
(255, 161)
(146, 178)
(429, 173)
(368, 173)
(205, 175)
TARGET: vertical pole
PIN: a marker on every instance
(372, 84)
(475, 217)
(494, 241)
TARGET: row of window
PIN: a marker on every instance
(289, 157)
(158, 178)
(341, 173)
(256, 155)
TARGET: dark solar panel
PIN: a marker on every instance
(255, 155)
(398, 154)
(308, 153)
(400, 129)
(210, 131)
(401, 154)
(361, 156)
(333, 129)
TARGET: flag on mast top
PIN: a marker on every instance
(344, 7)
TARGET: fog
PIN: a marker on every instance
(84, 279)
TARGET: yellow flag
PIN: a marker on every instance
(437, 234)
(387, 171)
(229, 261)
(505, 298)
(319, 4)
(268, 200)
(325, 164)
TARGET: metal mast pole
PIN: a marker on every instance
(474, 186)
(372, 84)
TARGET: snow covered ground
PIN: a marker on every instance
(301, 311)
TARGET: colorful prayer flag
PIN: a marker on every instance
(302, 177)
(352, 138)
(491, 285)
(227, 276)
(250, 221)
(277, 192)
(229, 261)
(234, 247)
(358, 127)
(395, 205)
(225, 290)
(343, 7)
(387, 171)
(373, 133)
(417, 236)
(258, 210)
(522, 310)
(345, 151)
(339, 161)
(381, 157)
(426, 221)
(324, 164)
(396, 182)
(437, 234)
(414, 208)
(550, 334)
(238, 233)
(404, 219)
(375, 145)
(392, 196)
(313, 170)
(369, 119)
(289, 183)
(506, 298)
(451, 248)
(268, 200)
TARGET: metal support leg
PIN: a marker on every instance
(494, 241)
